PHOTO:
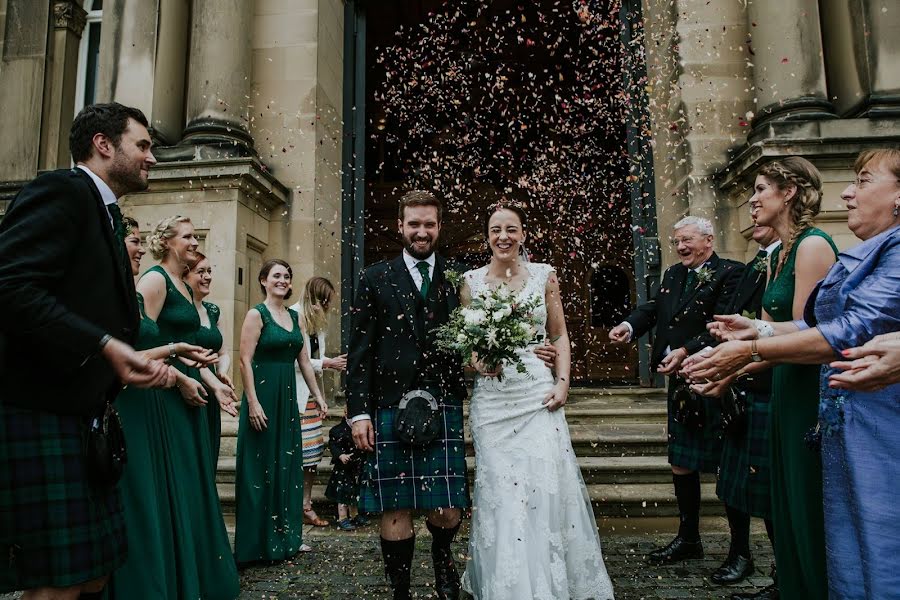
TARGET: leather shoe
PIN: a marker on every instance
(677, 550)
(735, 568)
(769, 592)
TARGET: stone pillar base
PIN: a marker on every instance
(218, 139)
(807, 108)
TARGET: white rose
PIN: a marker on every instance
(461, 338)
(473, 316)
(488, 302)
(526, 329)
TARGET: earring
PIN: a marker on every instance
(896, 210)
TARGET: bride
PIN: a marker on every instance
(533, 531)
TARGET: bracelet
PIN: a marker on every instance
(764, 328)
(172, 353)
(104, 341)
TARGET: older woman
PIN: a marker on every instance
(858, 300)
(312, 310)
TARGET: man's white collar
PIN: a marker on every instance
(105, 192)
(411, 261)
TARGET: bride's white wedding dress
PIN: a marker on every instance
(533, 533)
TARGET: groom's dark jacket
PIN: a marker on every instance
(680, 315)
(392, 338)
(63, 286)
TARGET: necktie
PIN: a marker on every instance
(426, 280)
(117, 223)
(690, 282)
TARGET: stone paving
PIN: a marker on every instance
(347, 566)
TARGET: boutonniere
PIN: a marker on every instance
(750, 314)
(704, 276)
(454, 278)
(761, 264)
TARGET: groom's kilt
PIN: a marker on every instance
(56, 529)
(743, 480)
(398, 476)
(695, 449)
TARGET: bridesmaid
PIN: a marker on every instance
(269, 480)
(209, 336)
(149, 475)
(788, 195)
(312, 311)
(203, 549)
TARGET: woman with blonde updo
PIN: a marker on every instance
(312, 310)
(787, 197)
(208, 565)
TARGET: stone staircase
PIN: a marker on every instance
(619, 436)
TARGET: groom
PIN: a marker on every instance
(397, 308)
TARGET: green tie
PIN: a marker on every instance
(689, 282)
(118, 224)
(426, 280)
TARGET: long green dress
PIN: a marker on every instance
(796, 485)
(150, 521)
(203, 544)
(211, 339)
(269, 477)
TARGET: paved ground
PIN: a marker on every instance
(347, 566)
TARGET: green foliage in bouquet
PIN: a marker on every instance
(494, 326)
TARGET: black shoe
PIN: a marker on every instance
(677, 550)
(767, 593)
(735, 568)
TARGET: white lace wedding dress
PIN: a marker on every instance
(533, 533)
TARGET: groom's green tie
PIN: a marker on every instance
(426, 280)
(117, 222)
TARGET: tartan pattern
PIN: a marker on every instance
(695, 450)
(56, 529)
(398, 476)
(743, 478)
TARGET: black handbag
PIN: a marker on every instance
(104, 448)
(689, 409)
(418, 419)
(734, 411)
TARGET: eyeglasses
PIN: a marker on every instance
(862, 182)
(685, 240)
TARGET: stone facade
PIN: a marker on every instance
(246, 100)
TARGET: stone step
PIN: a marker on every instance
(594, 469)
(609, 500)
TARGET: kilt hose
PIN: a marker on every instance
(700, 449)
(398, 476)
(56, 529)
(743, 476)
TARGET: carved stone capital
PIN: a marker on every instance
(67, 14)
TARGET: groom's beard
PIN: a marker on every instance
(420, 252)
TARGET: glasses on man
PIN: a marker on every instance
(688, 239)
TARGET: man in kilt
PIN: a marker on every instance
(743, 477)
(67, 310)
(692, 291)
(397, 308)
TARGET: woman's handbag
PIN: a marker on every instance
(734, 411)
(418, 419)
(689, 407)
(104, 448)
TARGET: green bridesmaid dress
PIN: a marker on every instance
(211, 339)
(150, 522)
(796, 470)
(269, 478)
(201, 548)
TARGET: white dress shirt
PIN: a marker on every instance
(411, 263)
(106, 194)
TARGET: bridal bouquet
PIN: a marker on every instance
(493, 326)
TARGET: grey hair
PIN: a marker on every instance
(705, 226)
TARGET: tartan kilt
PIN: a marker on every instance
(398, 476)
(697, 450)
(743, 477)
(56, 529)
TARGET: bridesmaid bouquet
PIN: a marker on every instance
(493, 326)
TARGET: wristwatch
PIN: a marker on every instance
(754, 353)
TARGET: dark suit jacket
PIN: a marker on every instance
(392, 337)
(748, 297)
(681, 321)
(63, 286)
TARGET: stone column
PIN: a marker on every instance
(143, 56)
(788, 66)
(219, 67)
(883, 45)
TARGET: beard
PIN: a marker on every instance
(414, 251)
(126, 177)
